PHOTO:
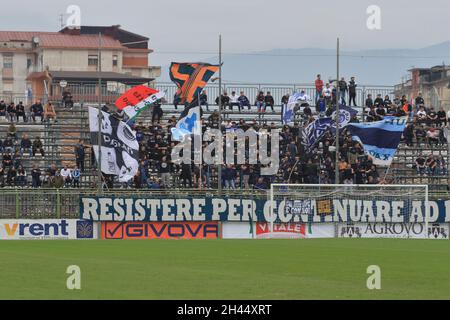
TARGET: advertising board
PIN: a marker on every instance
(159, 230)
(51, 229)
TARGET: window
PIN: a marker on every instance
(7, 87)
(7, 61)
(93, 60)
(115, 61)
(29, 63)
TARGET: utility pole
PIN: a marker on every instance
(219, 169)
(337, 115)
(99, 137)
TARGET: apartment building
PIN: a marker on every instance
(35, 64)
(433, 83)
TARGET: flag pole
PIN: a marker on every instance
(386, 173)
(337, 116)
(99, 136)
(219, 169)
(201, 148)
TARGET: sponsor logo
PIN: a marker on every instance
(298, 207)
(394, 230)
(128, 134)
(46, 229)
(350, 231)
(33, 230)
(160, 230)
(85, 230)
(281, 230)
(324, 207)
(436, 231)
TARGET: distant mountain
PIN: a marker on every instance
(373, 67)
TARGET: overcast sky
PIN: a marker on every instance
(246, 25)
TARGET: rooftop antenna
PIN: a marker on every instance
(61, 21)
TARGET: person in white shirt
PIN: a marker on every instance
(327, 94)
(304, 98)
(421, 115)
(234, 101)
(66, 173)
(327, 91)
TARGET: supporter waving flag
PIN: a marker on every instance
(190, 79)
(380, 139)
(138, 99)
(289, 109)
(119, 146)
(345, 116)
(313, 133)
(189, 122)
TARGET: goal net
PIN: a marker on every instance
(356, 211)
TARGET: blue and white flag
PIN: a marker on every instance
(345, 116)
(288, 110)
(314, 132)
(288, 114)
(380, 139)
(188, 124)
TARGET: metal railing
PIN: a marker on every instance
(277, 90)
(88, 92)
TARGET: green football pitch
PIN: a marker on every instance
(226, 269)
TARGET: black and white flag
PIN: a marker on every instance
(119, 147)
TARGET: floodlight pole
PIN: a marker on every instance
(337, 115)
(99, 136)
(219, 169)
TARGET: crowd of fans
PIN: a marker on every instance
(19, 113)
(156, 170)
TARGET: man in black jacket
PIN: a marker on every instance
(270, 102)
(37, 110)
(2, 108)
(343, 88)
(378, 101)
(419, 101)
(11, 110)
(80, 153)
(20, 112)
(204, 100)
(352, 91)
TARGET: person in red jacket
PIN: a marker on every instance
(319, 87)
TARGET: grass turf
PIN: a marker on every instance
(226, 269)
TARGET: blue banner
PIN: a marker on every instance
(165, 209)
(380, 139)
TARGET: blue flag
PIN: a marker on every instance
(314, 132)
(380, 139)
(288, 110)
(188, 124)
(345, 116)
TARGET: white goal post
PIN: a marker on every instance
(369, 210)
